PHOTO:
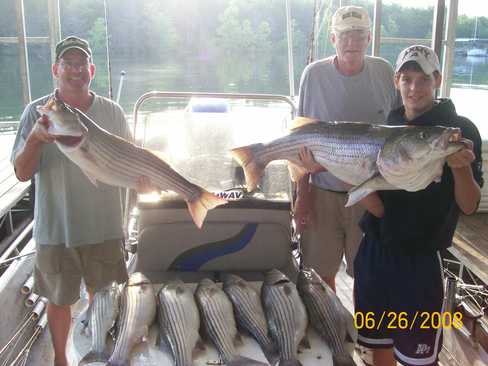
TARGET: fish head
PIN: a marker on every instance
(414, 147)
(275, 277)
(233, 280)
(65, 123)
(137, 279)
(308, 276)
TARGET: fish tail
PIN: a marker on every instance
(253, 170)
(292, 362)
(93, 356)
(270, 352)
(198, 208)
(245, 361)
(272, 356)
(343, 360)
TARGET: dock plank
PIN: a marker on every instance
(11, 190)
(470, 244)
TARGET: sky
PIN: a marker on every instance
(466, 7)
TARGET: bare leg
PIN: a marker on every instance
(383, 357)
(59, 319)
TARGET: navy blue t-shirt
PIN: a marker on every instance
(424, 221)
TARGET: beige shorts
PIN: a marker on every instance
(333, 232)
(59, 270)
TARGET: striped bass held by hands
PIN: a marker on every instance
(110, 159)
(368, 157)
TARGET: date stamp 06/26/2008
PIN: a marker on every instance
(405, 321)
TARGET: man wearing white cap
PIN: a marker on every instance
(348, 86)
(398, 269)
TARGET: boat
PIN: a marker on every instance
(248, 236)
(477, 52)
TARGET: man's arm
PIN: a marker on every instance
(302, 207)
(373, 203)
(466, 190)
(27, 159)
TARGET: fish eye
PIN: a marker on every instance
(423, 135)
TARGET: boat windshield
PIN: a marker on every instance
(196, 137)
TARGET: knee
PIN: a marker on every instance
(58, 308)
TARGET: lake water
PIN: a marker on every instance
(142, 77)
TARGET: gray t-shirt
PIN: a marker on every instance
(69, 209)
(327, 95)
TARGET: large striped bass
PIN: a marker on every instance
(179, 321)
(110, 159)
(286, 315)
(138, 310)
(101, 316)
(368, 157)
(327, 315)
(220, 325)
(250, 314)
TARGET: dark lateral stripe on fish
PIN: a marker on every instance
(319, 307)
(215, 326)
(336, 149)
(174, 313)
(110, 148)
(132, 304)
(245, 309)
(282, 313)
(98, 339)
(118, 158)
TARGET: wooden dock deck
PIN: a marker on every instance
(11, 190)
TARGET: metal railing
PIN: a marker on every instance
(188, 95)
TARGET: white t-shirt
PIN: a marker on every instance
(69, 209)
(327, 95)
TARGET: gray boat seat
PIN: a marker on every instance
(246, 237)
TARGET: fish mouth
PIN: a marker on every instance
(69, 141)
(451, 136)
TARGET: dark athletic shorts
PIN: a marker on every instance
(398, 302)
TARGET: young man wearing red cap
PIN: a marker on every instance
(398, 269)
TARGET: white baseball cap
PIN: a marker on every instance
(424, 56)
(348, 18)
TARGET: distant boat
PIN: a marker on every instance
(477, 52)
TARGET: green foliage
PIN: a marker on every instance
(212, 45)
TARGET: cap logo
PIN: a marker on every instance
(353, 14)
(415, 52)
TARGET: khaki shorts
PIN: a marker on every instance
(333, 232)
(59, 270)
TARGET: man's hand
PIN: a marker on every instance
(308, 161)
(39, 131)
(462, 158)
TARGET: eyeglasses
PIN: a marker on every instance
(74, 65)
(357, 36)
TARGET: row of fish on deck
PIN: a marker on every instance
(277, 319)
